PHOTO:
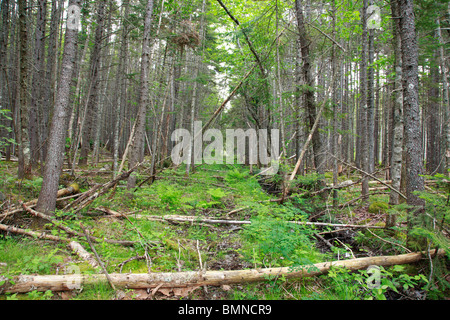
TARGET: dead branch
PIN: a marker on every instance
(83, 254)
(129, 260)
(70, 231)
(62, 194)
(105, 272)
(303, 152)
(193, 219)
(370, 175)
(33, 234)
(98, 191)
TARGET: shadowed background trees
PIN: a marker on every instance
(144, 68)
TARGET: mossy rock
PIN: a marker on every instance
(75, 187)
(378, 207)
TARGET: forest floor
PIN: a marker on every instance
(215, 192)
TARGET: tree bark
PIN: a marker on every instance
(413, 135)
(370, 101)
(309, 88)
(138, 142)
(58, 130)
(92, 106)
(50, 77)
(24, 169)
(102, 100)
(445, 102)
(397, 148)
(364, 128)
(4, 81)
(38, 77)
(121, 83)
(432, 117)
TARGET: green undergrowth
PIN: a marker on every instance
(212, 192)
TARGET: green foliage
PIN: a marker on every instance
(97, 291)
(378, 207)
(170, 195)
(362, 285)
(32, 186)
(5, 115)
(429, 226)
(27, 257)
(36, 295)
(217, 194)
(278, 243)
(308, 181)
(40, 264)
(236, 176)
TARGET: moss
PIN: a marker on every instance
(66, 179)
(365, 221)
(328, 175)
(378, 207)
(76, 187)
(351, 214)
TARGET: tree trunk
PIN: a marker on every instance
(445, 103)
(308, 92)
(370, 101)
(413, 136)
(364, 148)
(102, 101)
(50, 77)
(38, 78)
(92, 106)
(397, 148)
(138, 141)
(432, 116)
(299, 127)
(334, 102)
(121, 82)
(58, 129)
(4, 81)
(24, 169)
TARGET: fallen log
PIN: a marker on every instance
(74, 188)
(193, 219)
(83, 254)
(62, 194)
(171, 280)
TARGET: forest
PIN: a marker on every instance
(224, 150)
